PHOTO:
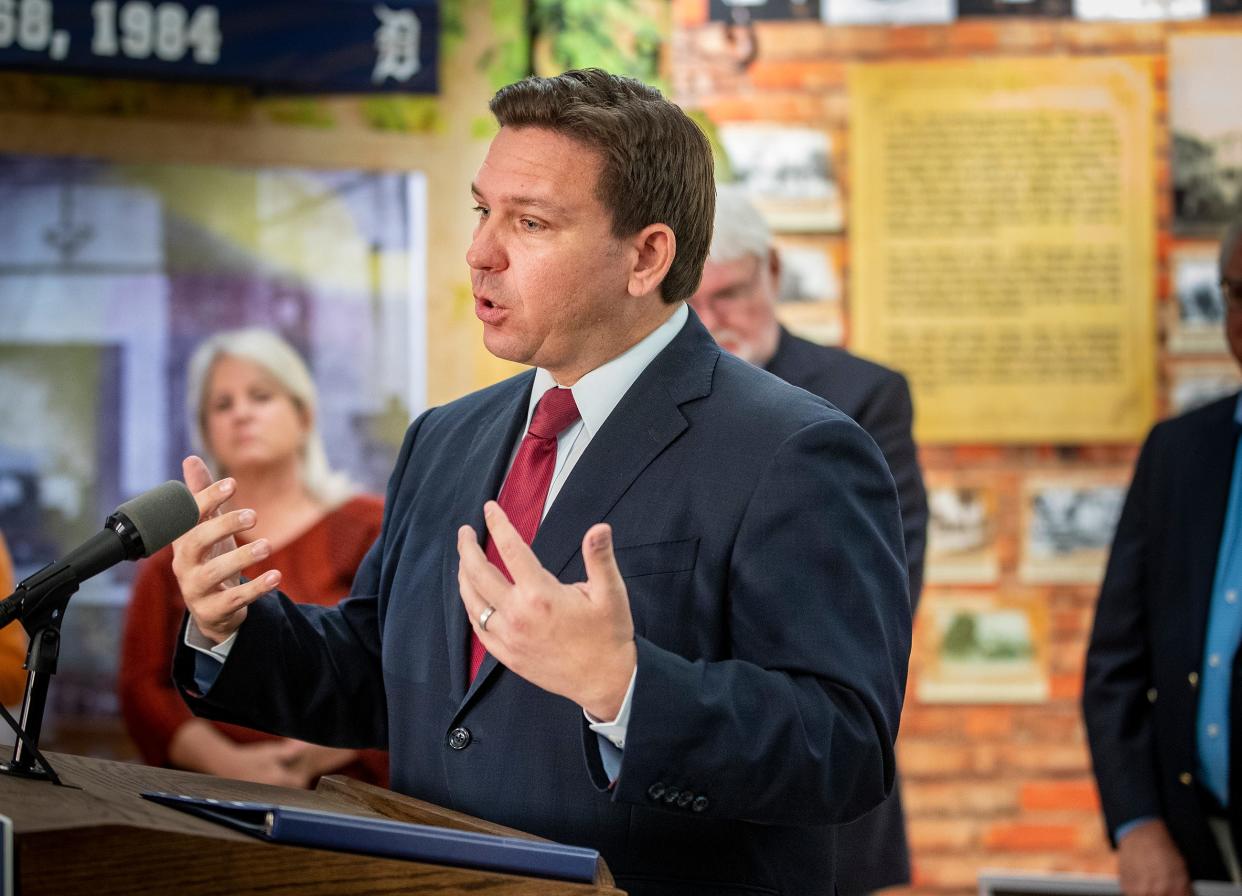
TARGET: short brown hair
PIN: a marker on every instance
(657, 163)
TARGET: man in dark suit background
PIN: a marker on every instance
(683, 639)
(1161, 694)
(736, 300)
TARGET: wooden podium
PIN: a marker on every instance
(97, 836)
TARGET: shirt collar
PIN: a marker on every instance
(598, 392)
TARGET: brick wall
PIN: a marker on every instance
(986, 786)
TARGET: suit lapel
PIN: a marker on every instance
(482, 470)
(643, 424)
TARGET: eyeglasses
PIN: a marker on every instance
(1231, 290)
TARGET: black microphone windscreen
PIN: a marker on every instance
(161, 515)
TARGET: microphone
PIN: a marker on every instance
(138, 528)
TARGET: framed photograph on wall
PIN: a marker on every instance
(1192, 384)
(1139, 10)
(983, 648)
(1032, 8)
(1197, 319)
(1206, 120)
(743, 11)
(1068, 522)
(961, 533)
(809, 303)
(887, 12)
(788, 172)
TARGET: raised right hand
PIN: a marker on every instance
(1150, 864)
(208, 563)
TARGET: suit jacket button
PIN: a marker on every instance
(655, 791)
(1193, 678)
(1186, 778)
(459, 738)
(684, 799)
(1151, 695)
(671, 794)
(699, 804)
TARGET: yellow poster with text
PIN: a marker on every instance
(1002, 243)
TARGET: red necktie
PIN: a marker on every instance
(526, 487)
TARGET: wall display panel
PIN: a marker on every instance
(887, 12)
(1139, 10)
(111, 274)
(742, 11)
(1002, 244)
(1206, 119)
(1068, 522)
(961, 532)
(1032, 8)
(277, 45)
(983, 648)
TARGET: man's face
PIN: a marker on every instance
(1232, 275)
(548, 276)
(736, 301)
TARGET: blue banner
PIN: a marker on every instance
(337, 46)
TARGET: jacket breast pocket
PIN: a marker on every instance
(659, 581)
(658, 558)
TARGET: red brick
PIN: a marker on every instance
(688, 13)
(947, 873)
(1079, 793)
(1066, 686)
(905, 41)
(1056, 724)
(1073, 623)
(917, 759)
(792, 107)
(942, 835)
(1026, 36)
(974, 36)
(921, 722)
(1045, 758)
(989, 722)
(1027, 837)
(795, 74)
(958, 797)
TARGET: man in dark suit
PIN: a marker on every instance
(684, 637)
(1161, 694)
(736, 300)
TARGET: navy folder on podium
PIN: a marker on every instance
(392, 839)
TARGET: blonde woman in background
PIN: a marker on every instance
(252, 404)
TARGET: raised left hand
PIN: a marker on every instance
(573, 640)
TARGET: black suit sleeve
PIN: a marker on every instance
(330, 687)
(797, 726)
(1116, 709)
(888, 417)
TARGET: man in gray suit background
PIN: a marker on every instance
(736, 300)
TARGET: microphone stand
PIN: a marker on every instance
(43, 610)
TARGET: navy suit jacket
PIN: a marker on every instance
(1140, 698)
(758, 531)
(875, 852)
